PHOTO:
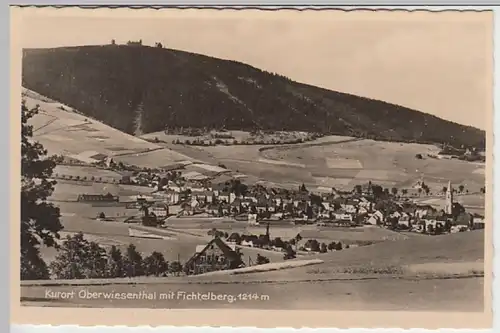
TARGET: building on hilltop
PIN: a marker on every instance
(134, 43)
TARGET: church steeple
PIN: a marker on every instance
(448, 207)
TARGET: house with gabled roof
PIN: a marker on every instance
(432, 220)
(376, 218)
(301, 198)
(363, 210)
(236, 206)
(217, 255)
(364, 202)
(350, 206)
(159, 209)
(279, 198)
(251, 198)
(264, 205)
(342, 215)
(174, 187)
(326, 206)
(247, 202)
(172, 197)
(226, 196)
(405, 219)
(464, 219)
(217, 188)
(203, 195)
(216, 209)
(422, 211)
(478, 222)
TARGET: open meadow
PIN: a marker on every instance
(462, 253)
(349, 236)
(343, 163)
(63, 130)
(385, 163)
(152, 159)
(440, 273)
(474, 203)
(68, 190)
(86, 172)
(427, 273)
(179, 245)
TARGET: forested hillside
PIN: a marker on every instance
(147, 89)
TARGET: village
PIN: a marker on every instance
(176, 195)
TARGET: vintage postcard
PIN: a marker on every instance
(314, 168)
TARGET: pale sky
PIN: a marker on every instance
(438, 63)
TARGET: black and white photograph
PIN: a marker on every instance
(314, 160)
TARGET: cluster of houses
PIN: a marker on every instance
(367, 204)
(258, 204)
(349, 208)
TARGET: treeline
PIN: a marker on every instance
(79, 258)
(289, 247)
(219, 142)
(181, 89)
(199, 137)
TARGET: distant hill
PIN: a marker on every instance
(140, 89)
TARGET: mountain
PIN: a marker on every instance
(140, 89)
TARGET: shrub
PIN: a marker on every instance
(133, 262)
(116, 265)
(175, 267)
(262, 260)
(79, 259)
(155, 264)
(290, 254)
(323, 248)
